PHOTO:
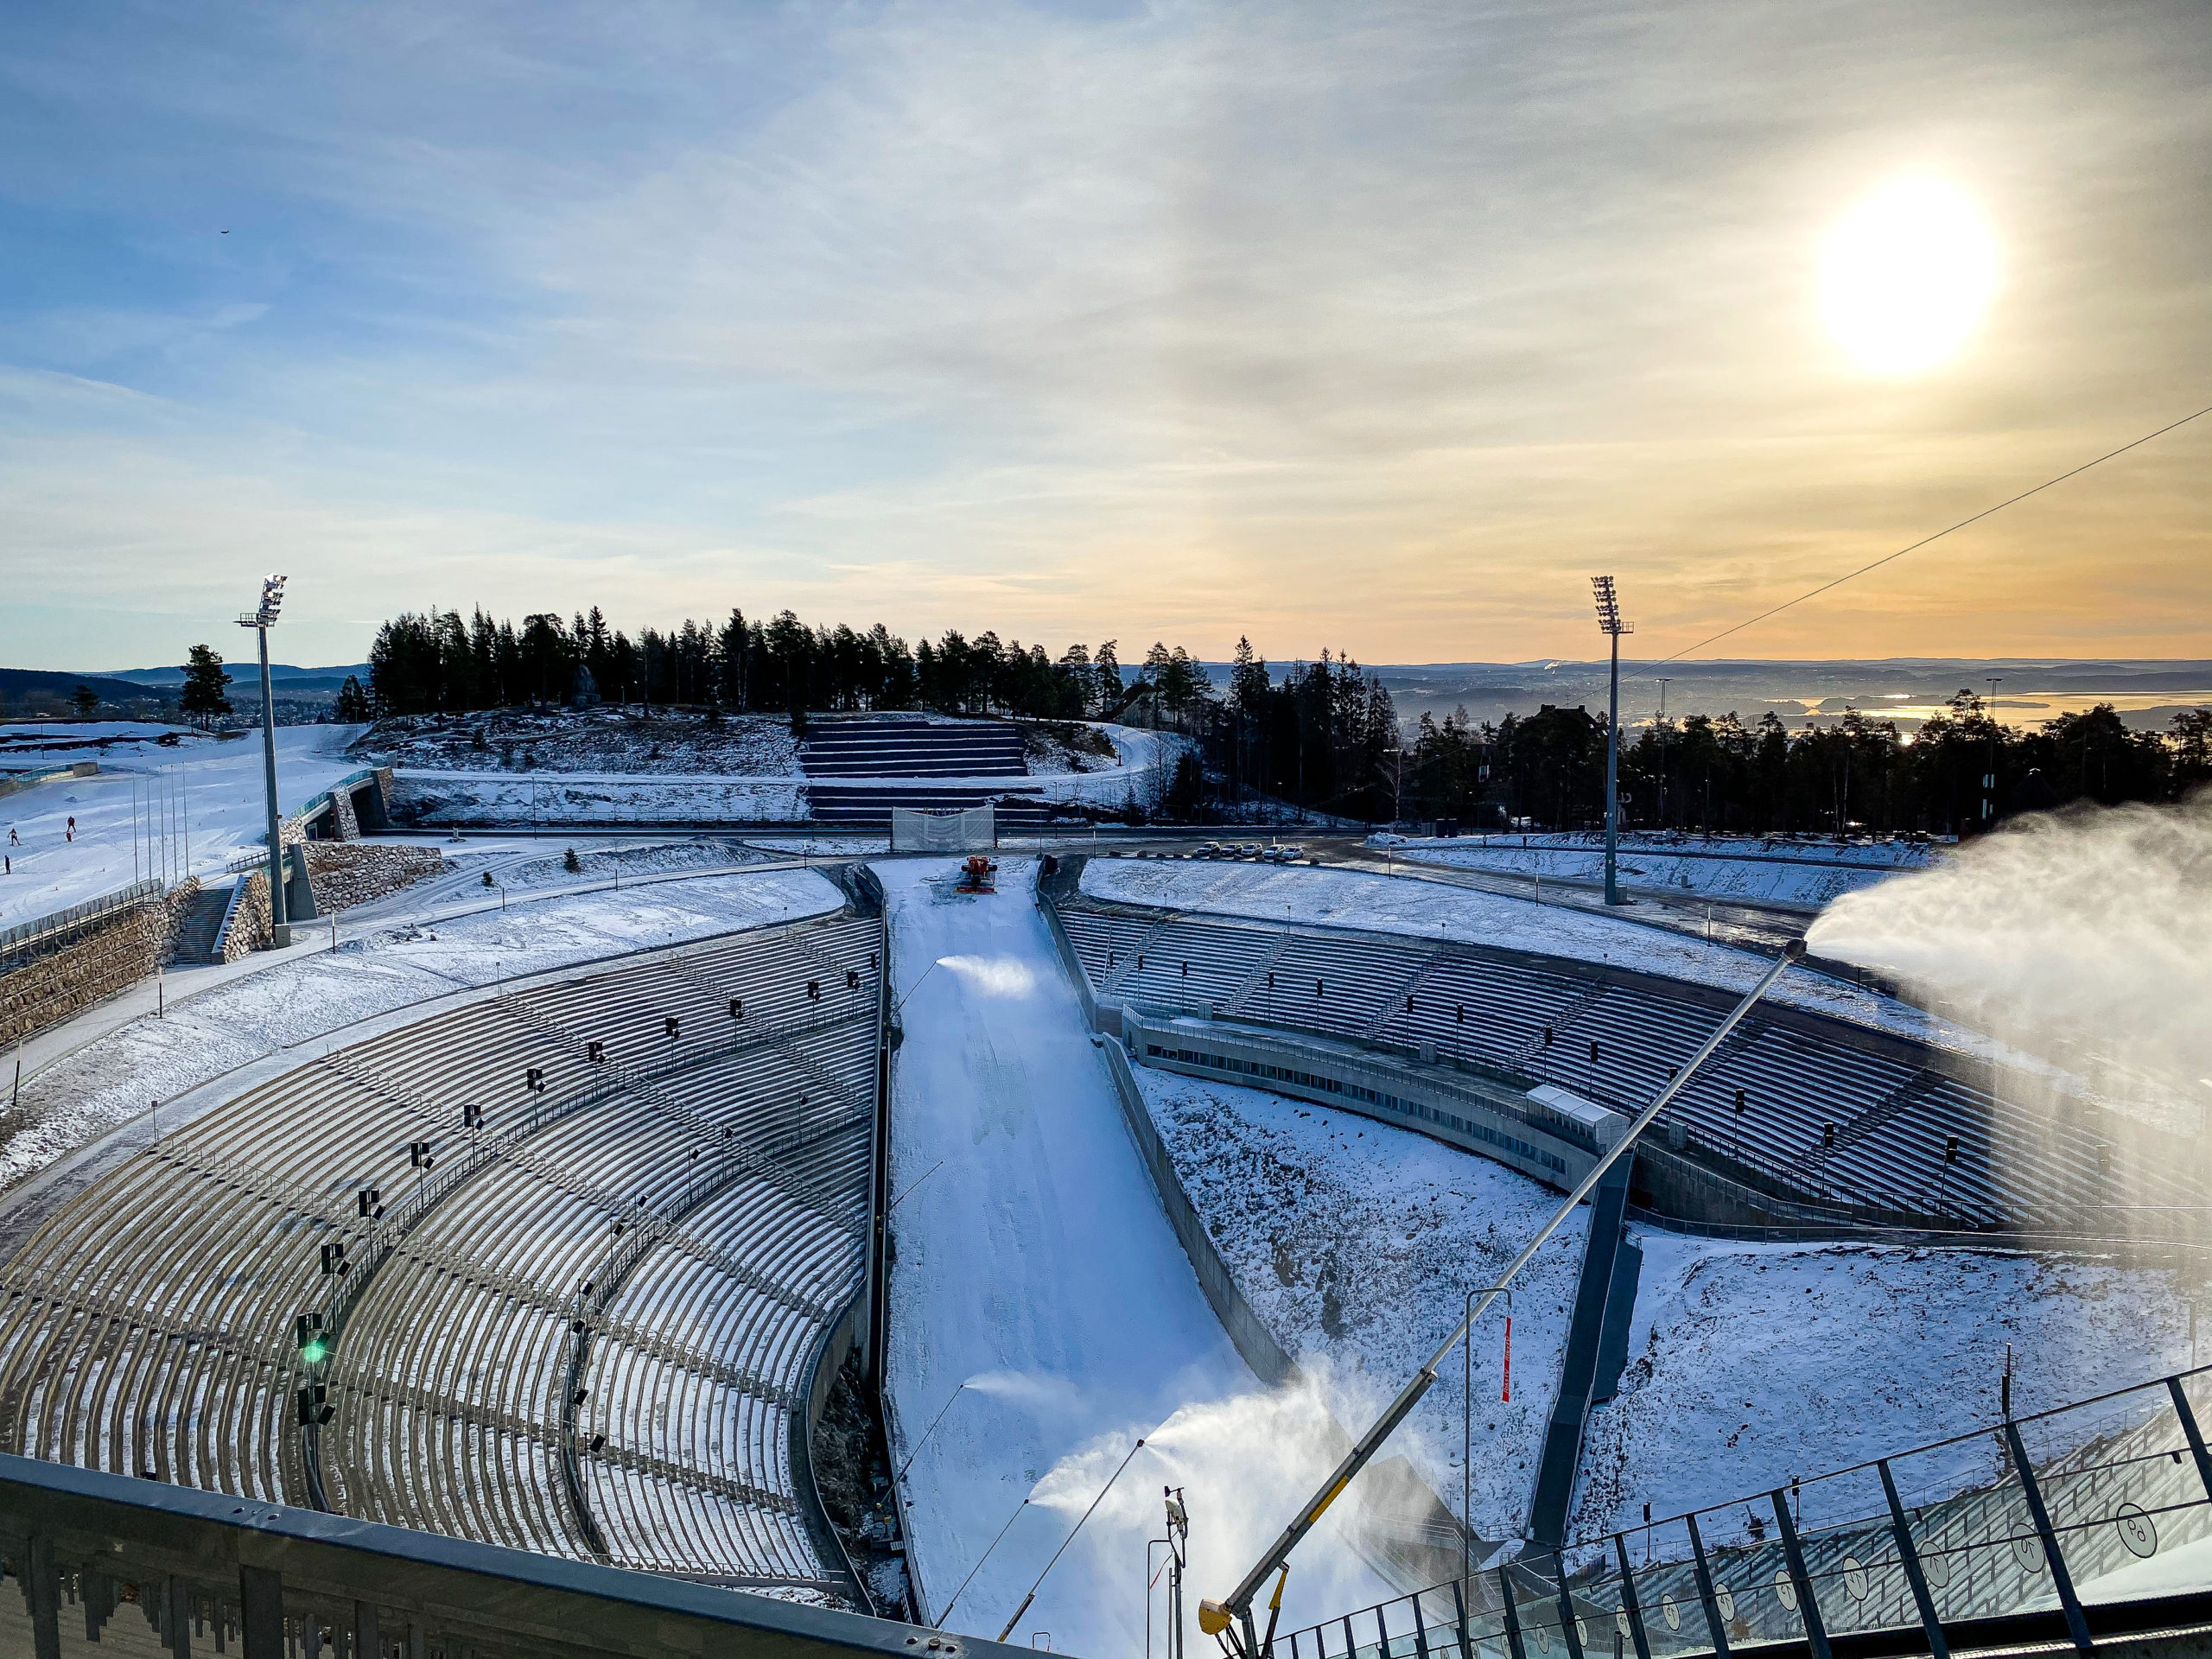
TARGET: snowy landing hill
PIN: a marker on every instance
(1357, 1242)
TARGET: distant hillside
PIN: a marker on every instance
(2028, 689)
(18, 682)
(279, 673)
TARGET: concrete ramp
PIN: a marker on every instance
(1604, 1300)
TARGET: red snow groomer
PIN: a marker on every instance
(977, 874)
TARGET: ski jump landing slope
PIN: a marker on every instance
(1035, 1267)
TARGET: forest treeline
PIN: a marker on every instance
(1322, 736)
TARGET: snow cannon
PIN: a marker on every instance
(977, 874)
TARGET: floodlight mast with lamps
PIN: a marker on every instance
(1610, 624)
(261, 620)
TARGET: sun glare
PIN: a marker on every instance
(1907, 275)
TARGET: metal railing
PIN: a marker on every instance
(317, 802)
(25, 933)
(2043, 1525)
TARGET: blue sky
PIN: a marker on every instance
(1378, 327)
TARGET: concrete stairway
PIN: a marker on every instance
(201, 935)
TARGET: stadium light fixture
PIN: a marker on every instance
(1611, 624)
(261, 619)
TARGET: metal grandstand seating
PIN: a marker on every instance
(1808, 1109)
(889, 747)
(705, 1116)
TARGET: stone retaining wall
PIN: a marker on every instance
(343, 873)
(48, 984)
(349, 873)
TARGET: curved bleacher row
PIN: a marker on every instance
(1806, 1108)
(706, 1115)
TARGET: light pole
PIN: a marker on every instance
(261, 620)
(1610, 624)
(1989, 778)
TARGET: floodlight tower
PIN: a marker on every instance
(261, 620)
(1610, 624)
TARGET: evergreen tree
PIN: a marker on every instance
(354, 703)
(1107, 668)
(203, 697)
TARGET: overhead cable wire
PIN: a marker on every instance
(1925, 540)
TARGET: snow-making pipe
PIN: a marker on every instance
(1215, 1617)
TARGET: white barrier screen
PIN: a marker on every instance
(968, 831)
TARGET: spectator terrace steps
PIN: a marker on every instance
(148, 1325)
(1893, 1106)
(878, 748)
(840, 756)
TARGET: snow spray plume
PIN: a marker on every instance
(992, 975)
(2078, 935)
(1242, 1463)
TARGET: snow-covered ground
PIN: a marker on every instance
(653, 795)
(211, 791)
(1040, 1302)
(609, 798)
(1748, 1362)
(591, 741)
(308, 994)
(31, 745)
(1800, 872)
(1356, 1244)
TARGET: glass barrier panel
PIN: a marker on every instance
(1850, 1553)
(1666, 1589)
(1429, 1612)
(1365, 1633)
(2197, 1386)
(1536, 1601)
(2121, 1500)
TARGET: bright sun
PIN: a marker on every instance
(1906, 275)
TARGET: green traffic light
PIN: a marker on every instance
(314, 1351)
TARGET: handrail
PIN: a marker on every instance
(57, 921)
(1992, 1552)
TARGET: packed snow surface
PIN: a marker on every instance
(1043, 1314)
(1432, 909)
(1356, 1244)
(610, 799)
(308, 995)
(209, 794)
(1800, 872)
(1748, 1364)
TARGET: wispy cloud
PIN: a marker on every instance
(1380, 327)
